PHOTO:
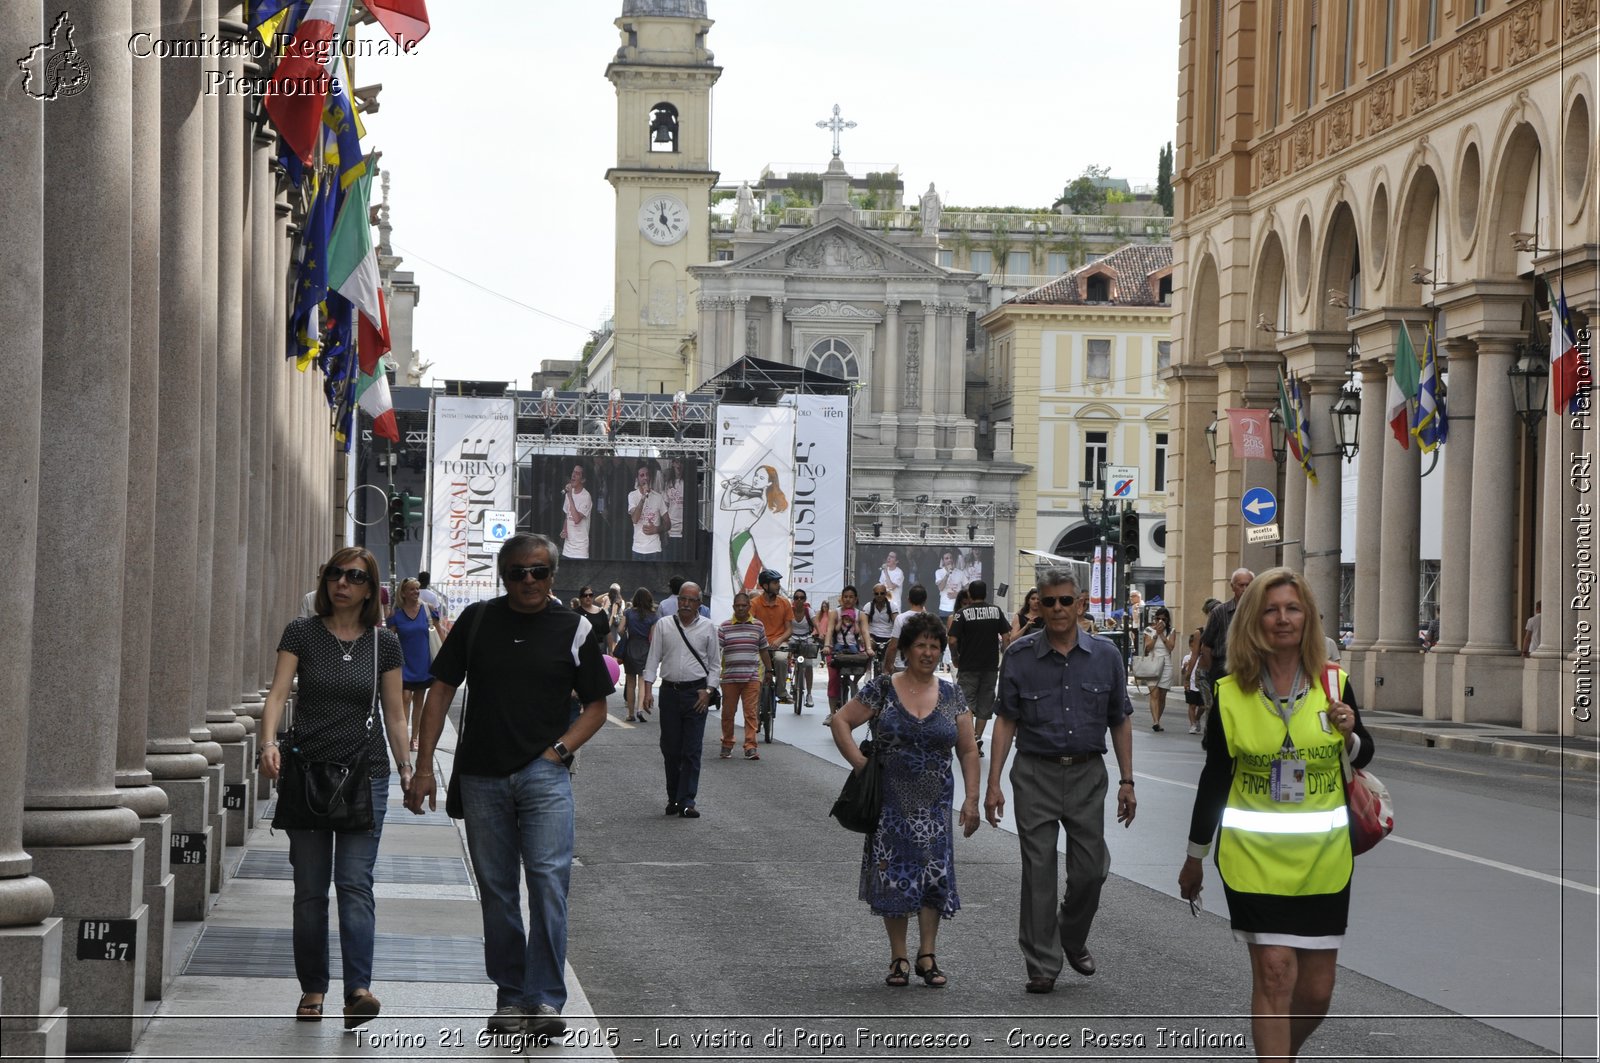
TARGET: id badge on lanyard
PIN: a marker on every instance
(1289, 781)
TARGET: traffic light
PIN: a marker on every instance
(397, 519)
(411, 508)
(1130, 536)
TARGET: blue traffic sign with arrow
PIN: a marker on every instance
(1259, 506)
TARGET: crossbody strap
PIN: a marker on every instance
(690, 647)
(472, 637)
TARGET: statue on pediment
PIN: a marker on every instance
(744, 215)
(931, 209)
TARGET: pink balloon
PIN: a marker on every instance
(613, 667)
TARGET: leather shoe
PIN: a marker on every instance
(1040, 984)
(1082, 961)
(673, 808)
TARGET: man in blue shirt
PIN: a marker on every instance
(1061, 692)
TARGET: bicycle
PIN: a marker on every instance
(851, 667)
(767, 705)
(799, 651)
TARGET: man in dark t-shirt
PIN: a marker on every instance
(1213, 660)
(977, 634)
(524, 654)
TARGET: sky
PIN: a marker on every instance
(497, 131)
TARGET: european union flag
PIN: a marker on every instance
(342, 138)
(311, 272)
(337, 360)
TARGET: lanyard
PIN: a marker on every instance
(1285, 706)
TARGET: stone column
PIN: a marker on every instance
(887, 405)
(1439, 683)
(265, 347)
(1369, 525)
(740, 302)
(1397, 664)
(1294, 520)
(1324, 502)
(779, 353)
(172, 744)
(84, 843)
(928, 370)
(34, 1024)
(134, 779)
(963, 429)
(222, 690)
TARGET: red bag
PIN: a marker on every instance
(1371, 807)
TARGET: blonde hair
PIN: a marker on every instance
(409, 581)
(1247, 646)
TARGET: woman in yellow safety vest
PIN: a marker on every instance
(1272, 780)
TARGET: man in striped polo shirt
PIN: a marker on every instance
(744, 654)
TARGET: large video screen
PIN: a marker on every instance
(942, 570)
(604, 508)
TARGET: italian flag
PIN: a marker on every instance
(298, 91)
(1403, 388)
(372, 394)
(353, 273)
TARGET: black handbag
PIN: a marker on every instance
(327, 794)
(860, 802)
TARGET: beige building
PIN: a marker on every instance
(1077, 367)
(1342, 168)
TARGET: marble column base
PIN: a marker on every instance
(1547, 697)
(1438, 680)
(218, 818)
(1359, 664)
(237, 771)
(1495, 685)
(925, 449)
(158, 895)
(1396, 681)
(966, 441)
(889, 429)
(34, 1024)
(104, 997)
(190, 800)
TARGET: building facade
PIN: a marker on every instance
(1344, 169)
(1077, 367)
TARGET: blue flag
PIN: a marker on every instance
(1432, 424)
(311, 273)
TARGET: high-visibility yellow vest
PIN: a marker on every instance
(1266, 846)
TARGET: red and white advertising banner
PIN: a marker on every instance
(473, 471)
(754, 488)
(1103, 581)
(1251, 434)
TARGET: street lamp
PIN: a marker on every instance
(1211, 438)
(1276, 429)
(1346, 412)
(1529, 376)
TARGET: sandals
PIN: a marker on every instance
(307, 1011)
(360, 1007)
(899, 973)
(931, 975)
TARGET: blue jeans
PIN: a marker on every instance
(682, 730)
(346, 860)
(525, 819)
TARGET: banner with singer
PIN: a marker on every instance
(752, 491)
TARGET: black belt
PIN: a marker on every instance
(693, 684)
(1081, 758)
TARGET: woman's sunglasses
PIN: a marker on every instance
(356, 577)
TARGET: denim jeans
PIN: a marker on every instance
(525, 819)
(346, 859)
(682, 730)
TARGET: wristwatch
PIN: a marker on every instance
(566, 755)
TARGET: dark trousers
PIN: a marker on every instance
(682, 730)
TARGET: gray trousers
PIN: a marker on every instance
(1049, 796)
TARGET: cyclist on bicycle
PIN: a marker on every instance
(880, 613)
(803, 645)
(775, 614)
(848, 638)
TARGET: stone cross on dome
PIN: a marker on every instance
(836, 124)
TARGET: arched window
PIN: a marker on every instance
(834, 357)
(663, 127)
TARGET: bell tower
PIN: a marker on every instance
(663, 73)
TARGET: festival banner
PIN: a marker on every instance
(821, 495)
(474, 470)
(1250, 432)
(1103, 582)
(753, 490)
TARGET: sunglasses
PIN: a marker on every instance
(1050, 601)
(518, 573)
(356, 577)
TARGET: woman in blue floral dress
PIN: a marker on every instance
(908, 864)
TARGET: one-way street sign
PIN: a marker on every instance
(1259, 506)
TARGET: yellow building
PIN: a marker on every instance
(1343, 168)
(1076, 368)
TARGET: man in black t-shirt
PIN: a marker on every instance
(1213, 661)
(977, 634)
(524, 654)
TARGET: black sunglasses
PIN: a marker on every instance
(518, 573)
(357, 577)
(1049, 601)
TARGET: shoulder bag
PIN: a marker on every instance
(452, 793)
(434, 640)
(327, 794)
(860, 802)
(1371, 807)
(713, 695)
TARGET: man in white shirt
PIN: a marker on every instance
(686, 651)
(949, 580)
(918, 597)
(893, 577)
(647, 508)
(577, 505)
(880, 622)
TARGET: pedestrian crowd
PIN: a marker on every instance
(1279, 717)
